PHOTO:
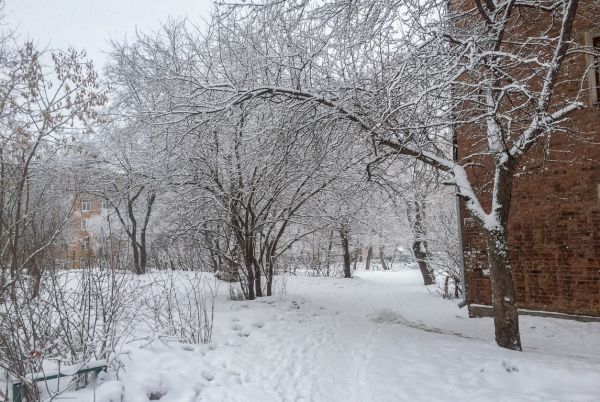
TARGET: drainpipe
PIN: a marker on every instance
(463, 302)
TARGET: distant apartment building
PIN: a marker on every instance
(88, 233)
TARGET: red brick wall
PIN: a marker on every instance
(554, 226)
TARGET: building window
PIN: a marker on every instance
(85, 243)
(84, 224)
(592, 40)
(86, 206)
(105, 204)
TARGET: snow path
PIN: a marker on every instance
(380, 336)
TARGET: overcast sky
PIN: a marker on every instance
(90, 24)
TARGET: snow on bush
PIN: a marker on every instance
(78, 316)
(182, 306)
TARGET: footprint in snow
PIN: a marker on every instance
(258, 324)
(233, 342)
(509, 367)
(208, 376)
(236, 326)
(235, 376)
(156, 395)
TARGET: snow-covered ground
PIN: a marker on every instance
(380, 336)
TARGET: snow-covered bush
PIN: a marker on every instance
(77, 317)
(443, 241)
(182, 305)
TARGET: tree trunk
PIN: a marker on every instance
(328, 256)
(420, 253)
(209, 243)
(136, 256)
(270, 273)
(250, 274)
(356, 253)
(271, 255)
(142, 245)
(456, 288)
(446, 294)
(369, 256)
(506, 318)
(419, 247)
(346, 251)
(133, 233)
(257, 280)
(36, 274)
(382, 259)
(143, 258)
(249, 264)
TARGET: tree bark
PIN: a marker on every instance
(419, 247)
(270, 273)
(257, 279)
(328, 256)
(382, 259)
(142, 245)
(249, 264)
(506, 318)
(346, 251)
(211, 246)
(419, 250)
(36, 274)
(369, 256)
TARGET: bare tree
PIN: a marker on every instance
(43, 109)
(470, 70)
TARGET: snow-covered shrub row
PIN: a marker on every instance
(89, 314)
(78, 316)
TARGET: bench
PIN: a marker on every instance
(95, 366)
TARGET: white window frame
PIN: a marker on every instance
(84, 224)
(85, 243)
(591, 71)
(86, 206)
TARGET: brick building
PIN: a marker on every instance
(88, 232)
(554, 225)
